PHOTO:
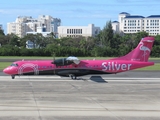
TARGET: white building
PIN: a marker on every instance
(135, 23)
(39, 30)
(115, 26)
(75, 31)
(24, 24)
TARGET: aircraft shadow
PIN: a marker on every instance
(98, 79)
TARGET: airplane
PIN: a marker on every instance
(73, 67)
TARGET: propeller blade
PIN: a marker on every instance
(53, 62)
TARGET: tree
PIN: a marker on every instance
(36, 39)
(157, 40)
(142, 34)
(3, 40)
(106, 36)
(52, 35)
(1, 32)
(115, 44)
(14, 40)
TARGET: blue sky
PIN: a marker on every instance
(77, 12)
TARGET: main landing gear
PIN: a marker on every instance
(13, 76)
(73, 77)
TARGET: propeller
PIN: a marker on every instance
(53, 62)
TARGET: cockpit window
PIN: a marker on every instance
(14, 64)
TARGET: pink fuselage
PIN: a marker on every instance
(85, 67)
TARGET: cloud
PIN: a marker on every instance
(2, 11)
(23, 12)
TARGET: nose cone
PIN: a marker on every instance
(5, 71)
(10, 70)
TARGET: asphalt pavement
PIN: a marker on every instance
(91, 98)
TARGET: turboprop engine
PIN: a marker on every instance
(66, 61)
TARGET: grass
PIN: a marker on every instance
(41, 57)
(4, 65)
(155, 67)
(154, 58)
(25, 57)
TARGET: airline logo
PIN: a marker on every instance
(28, 65)
(144, 48)
(114, 66)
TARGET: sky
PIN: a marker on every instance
(76, 12)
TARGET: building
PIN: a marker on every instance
(135, 23)
(41, 31)
(30, 44)
(24, 24)
(115, 26)
(76, 31)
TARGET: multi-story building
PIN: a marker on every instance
(135, 23)
(75, 31)
(115, 26)
(24, 24)
(40, 30)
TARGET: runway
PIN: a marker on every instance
(117, 97)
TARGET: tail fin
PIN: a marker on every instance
(141, 52)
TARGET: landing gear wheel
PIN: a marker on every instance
(73, 77)
(13, 76)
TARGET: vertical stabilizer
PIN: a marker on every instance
(141, 52)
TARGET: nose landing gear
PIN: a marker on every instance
(13, 76)
(73, 77)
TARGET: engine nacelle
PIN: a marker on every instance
(66, 61)
(62, 62)
(74, 59)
